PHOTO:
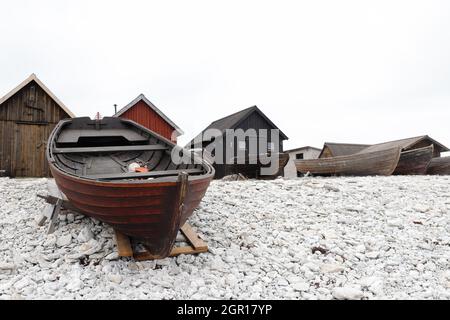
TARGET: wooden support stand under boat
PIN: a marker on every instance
(91, 160)
(195, 245)
(381, 163)
(439, 166)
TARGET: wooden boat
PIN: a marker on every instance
(91, 160)
(414, 162)
(382, 162)
(439, 166)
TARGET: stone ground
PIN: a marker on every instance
(308, 238)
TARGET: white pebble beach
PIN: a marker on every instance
(372, 238)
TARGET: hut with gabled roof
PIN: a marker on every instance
(28, 114)
(249, 118)
(144, 112)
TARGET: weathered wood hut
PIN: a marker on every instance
(303, 153)
(28, 114)
(250, 118)
(408, 144)
(142, 111)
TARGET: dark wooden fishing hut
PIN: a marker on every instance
(250, 118)
(28, 114)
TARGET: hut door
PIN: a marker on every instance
(30, 151)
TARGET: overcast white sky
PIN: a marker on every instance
(345, 71)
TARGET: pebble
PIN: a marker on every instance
(348, 293)
(331, 268)
(300, 286)
(70, 217)
(116, 278)
(85, 235)
(64, 240)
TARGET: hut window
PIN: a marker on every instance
(242, 145)
(299, 156)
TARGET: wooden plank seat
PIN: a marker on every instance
(151, 174)
(154, 147)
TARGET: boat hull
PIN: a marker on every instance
(439, 166)
(414, 162)
(149, 212)
(381, 163)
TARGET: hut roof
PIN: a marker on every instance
(302, 148)
(405, 144)
(143, 98)
(231, 121)
(34, 78)
(343, 149)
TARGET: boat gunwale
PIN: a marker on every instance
(126, 183)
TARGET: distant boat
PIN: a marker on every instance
(121, 173)
(381, 162)
(414, 162)
(439, 166)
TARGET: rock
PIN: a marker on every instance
(331, 268)
(445, 279)
(331, 188)
(75, 285)
(421, 208)
(373, 255)
(347, 293)
(90, 247)
(50, 241)
(70, 217)
(251, 262)
(6, 267)
(64, 240)
(85, 235)
(22, 283)
(300, 286)
(282, 282)
(395, 223)
(116, 278)
(312, 266)
(112, 256)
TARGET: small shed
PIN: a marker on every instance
(28, 114)
(303, 153)
(144, 112)
(250, 118)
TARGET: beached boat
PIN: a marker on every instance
(382, 162)
(440, 166)
(121, 173)
(414, 162)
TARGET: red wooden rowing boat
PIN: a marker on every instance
(121, 173)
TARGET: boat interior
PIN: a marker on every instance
(116, 149)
